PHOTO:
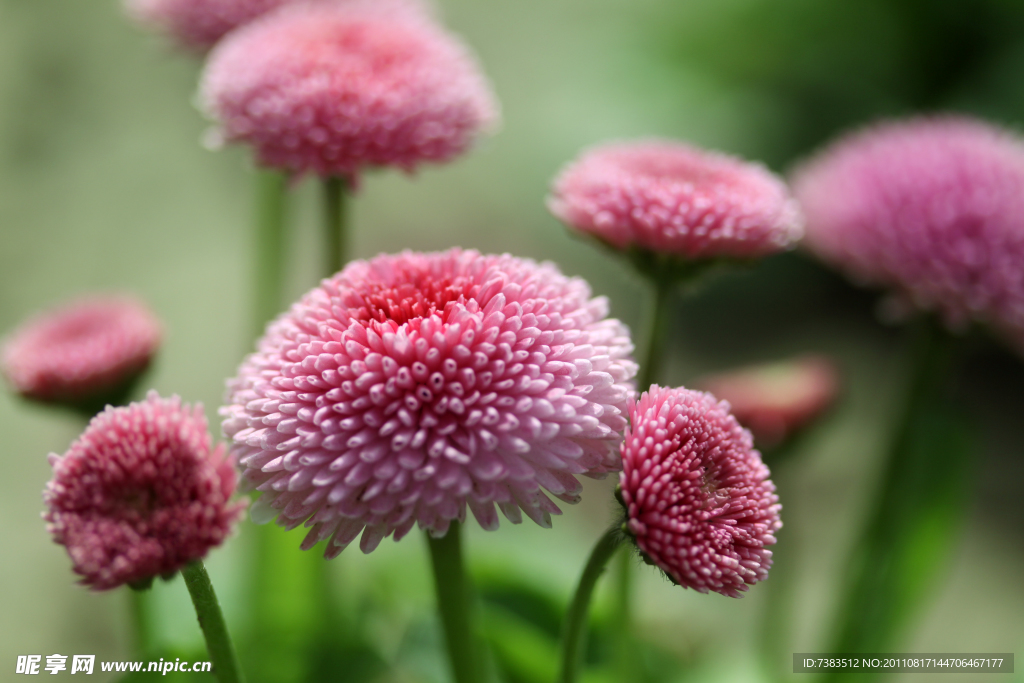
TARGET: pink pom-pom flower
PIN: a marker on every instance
(675, 200)
(932, 208)
(698, 499)
(86, 352)
(140, 493)
(334, 87)
(408, 387)
(198, 24)
(775, 400)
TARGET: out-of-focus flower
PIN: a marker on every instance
(774, 400)
(408, 387)
(83, 353)
(332, 88)
(676, 200)
(140, 493)
(698, 499)
(198, 24)
(932, 208)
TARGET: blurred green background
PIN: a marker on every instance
(104, 186)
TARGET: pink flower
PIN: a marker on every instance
(335, 87)
(85, 351)
(408, 387)
(774, 400)
(198, 24)
(140, 493)
(932, 208)
(673, 199)
(698, 498)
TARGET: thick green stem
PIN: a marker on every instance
(270, 247)
(453, 603)
(140, 605)
(575, 627)
(335, 224)
(659, 324)
(917, 512)
(211, 621)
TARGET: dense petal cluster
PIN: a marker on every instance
(198, 24)
(81, 351)
(774, 400)
(932, 208)
(408, 387)
(698, 499)
(677, 200)
(332, 88)
(140, 493)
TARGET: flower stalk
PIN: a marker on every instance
(211, 621)
(453, 603)
(335, 191)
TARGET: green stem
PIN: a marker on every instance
(657, 331)
(141, 621)
(335, 224)
(270, 247)
(211, 620)
(918, 508)
(575, 630)
(454, 604)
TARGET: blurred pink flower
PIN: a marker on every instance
(140, 493)
(931, 207)
(407, 387)
(698, 498)
(81, 352)
(198, 24)
(673, 199)
(774, 400)
(333, 88)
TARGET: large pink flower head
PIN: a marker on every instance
(334, 87)
(775, 400)
(198, 24)
(85, 351)
(140, 493)
(932, 208)
(698, 499)
(408, 387)
(676, 200)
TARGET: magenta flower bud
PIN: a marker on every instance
(140, 493)
(698, 499)
(82, 354)
(775, 400)
(676, 201)
(333, 88)
(198, 24)
(931, 208)
(407, 388)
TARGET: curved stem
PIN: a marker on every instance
(270, 247)
(454, 604)
(576, 618)
(211, 620)
(657, 331)
(335, 224)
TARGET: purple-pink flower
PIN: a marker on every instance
(335, 87)
(932, 208)
(80, 352)
(198, 24)
(407, 388)
(140, 493)
(775, 400)
(676, 200)
(699, 502)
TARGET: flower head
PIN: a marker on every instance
(81, 353)
(198, 24)
(332, 88)
(676, 200)
(408, 387)
(774, 400)
(932, 208)
(140, 493)
(699, 502)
